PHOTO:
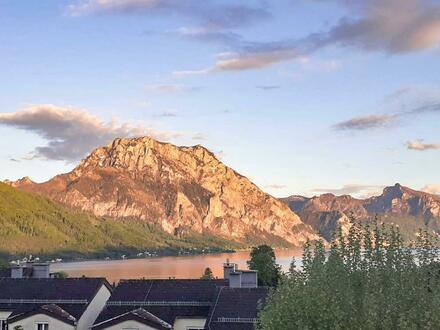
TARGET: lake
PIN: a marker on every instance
(165, 267)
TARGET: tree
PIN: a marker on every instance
(3, 264)
(367, 279)
(207, 274)
(60, 275)
(263, 260)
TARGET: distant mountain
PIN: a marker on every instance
(408, 208)
(32, 224)
(178, 189)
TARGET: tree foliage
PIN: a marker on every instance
(367, 279)
(264, 262)
(207, 274)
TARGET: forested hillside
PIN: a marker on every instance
(31, 224)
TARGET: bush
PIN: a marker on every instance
(368, 279)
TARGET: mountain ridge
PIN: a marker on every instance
(179, 189)
(396, 204)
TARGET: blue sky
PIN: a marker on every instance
(301, 96)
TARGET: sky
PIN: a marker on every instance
(301, 96)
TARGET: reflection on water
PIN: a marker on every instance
(164, 267)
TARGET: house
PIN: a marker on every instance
(231, 303)
(52, 304)
(239, 278)
(28, 269)
(31, 270)
(160, 304)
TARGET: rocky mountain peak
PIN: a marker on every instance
(20, 182)
(179, 189)
(395, 191)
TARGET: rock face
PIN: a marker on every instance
(325, 212)
(176, 188)
(405, 201)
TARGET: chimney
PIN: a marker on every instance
(40, 270)
(17, 272)
(228, 268)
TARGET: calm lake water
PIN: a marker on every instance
(165, 267)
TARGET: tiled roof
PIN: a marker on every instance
(236, 308)
(5, 272)
(167, 290)
(139, 315)
(166, 313)
(28, 295)
(50, 289)
(166, 299)
(75, 310)
(51, 310)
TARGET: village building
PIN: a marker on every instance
(51, 303)
(32, 300)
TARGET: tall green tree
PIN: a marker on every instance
(367, 279)
(263, 260)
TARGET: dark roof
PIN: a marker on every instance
(166, 313)
(140, 315)
(75, 310)
(50, 310)
(5, 272)
(167, 290)
(236, 308)
(166, 299)
(50, 288)
(28, 295)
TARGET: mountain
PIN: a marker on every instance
(32, 224)
(408, 208)
(178, 189)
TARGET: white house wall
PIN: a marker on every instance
(4, 315)
(95, 307)
(30, 323)
(130, 325)
(184, 324)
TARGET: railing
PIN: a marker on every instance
(158, 303)
(43, 301)
(237, 320)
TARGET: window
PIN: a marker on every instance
(3, 325)
(42, 326)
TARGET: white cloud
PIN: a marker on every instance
(418, 145)
(432, 189)
(72, 133)
(366, 122)
(390, 26)
(210, 13)
(170, 88)
(199, 136)
(361, 190)
(276, 186)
